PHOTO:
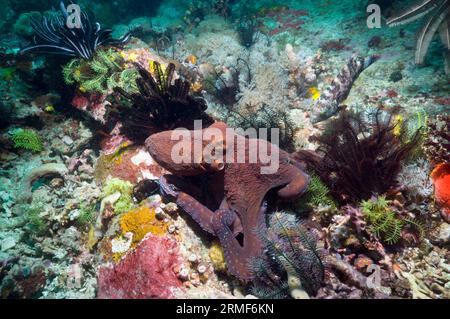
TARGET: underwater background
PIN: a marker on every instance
(92, 205)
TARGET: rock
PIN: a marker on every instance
(121, 245)
(362, 262)
(8, 243)
(131, 164)
(441, 234)
(67, 140)
(444, 233)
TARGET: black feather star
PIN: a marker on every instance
(53, 36)
(161, 104)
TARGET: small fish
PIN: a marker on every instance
(192, 59)
(152, 67)
(398, 122)
(49, 108)
(314, 93)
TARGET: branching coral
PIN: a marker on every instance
(28, 140)
(55, 36)
(102, 73)
(161, 104)
(438, 20)
(294, 263)
(360, 157)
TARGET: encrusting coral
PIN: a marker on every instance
(217, 256)
(124, 189)
(140, 222)
(146, 272)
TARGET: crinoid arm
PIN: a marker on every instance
(430, 28)
(413, 13)
(53, 36)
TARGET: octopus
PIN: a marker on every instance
(227, 198)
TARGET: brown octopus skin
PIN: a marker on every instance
(239, 189)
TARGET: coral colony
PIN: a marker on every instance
(224, 149)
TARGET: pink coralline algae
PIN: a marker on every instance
(114, 140)
(92, 103)
(147, 272)
(286, 19)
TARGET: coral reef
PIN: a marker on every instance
(121, 191)
(356, 207)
